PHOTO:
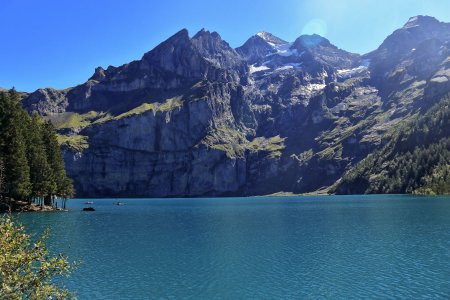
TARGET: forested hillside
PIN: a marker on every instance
(31, 165)
(416, 158)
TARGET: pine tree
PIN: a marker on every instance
(67, 190)
(13, 146)
(30, 155)
(41, 175)
(63, 184)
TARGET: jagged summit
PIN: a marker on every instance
(204, 32)
(270, 38)
(421, 20)
(318, 52)
(182, 34)
(261, 45)
(415, 37)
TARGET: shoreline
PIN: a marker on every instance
(23, 206)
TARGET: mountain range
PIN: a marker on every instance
(195, 117)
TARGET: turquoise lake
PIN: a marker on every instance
(330, 247)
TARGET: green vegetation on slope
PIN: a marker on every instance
(415, 160)
(234, 143)
(226, 139)
(168, 105)
(75, 120)
(272, 146)
(75, 142)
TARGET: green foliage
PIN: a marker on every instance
(168, 105)
(76, 121)
(2, 176)
(43, 179)
(30, 154)
(73, 141)
(137, 110)
(436, 182)
(416, 158)
(234, 143)
(225, 139)
(13, 147)
(27, 270)
(55, 160)
(272, 145)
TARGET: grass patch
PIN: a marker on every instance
(106, 117)
(228, 140)
(234, 143)
(272, 145)
(74, 142)
(70, 120)
(331, 152)
(168, 105)
(136, 111)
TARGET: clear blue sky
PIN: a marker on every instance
(58, 43)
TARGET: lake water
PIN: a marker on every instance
(338, 247)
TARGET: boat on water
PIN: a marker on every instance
(88, 208)
(119, 203)
(89, 202)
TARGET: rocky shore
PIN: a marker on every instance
(23, 206)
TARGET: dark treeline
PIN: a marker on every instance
(416, 159)
(31, 164)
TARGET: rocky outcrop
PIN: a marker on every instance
(47, 101)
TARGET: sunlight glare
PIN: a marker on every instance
(317, 26)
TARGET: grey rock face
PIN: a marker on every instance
(260, 45)
(195, 117)
(47, 101)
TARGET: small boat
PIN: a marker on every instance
(90, 208)
(89, 202)
(119, 203)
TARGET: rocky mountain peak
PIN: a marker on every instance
(179, 42)
(421, 21)
(210, 42)
(312, 41)
(404, 43)
(215, 50)
(270, 38)
(204, 33)
(183, 34)
(317, 51)
(415, 31)
(99, 74)
(261, 45)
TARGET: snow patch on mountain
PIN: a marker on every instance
(346, 73)
(310, 89)
(254, 69)
(284, 50)
(289, 66)
(270, 38)
(315, 86)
